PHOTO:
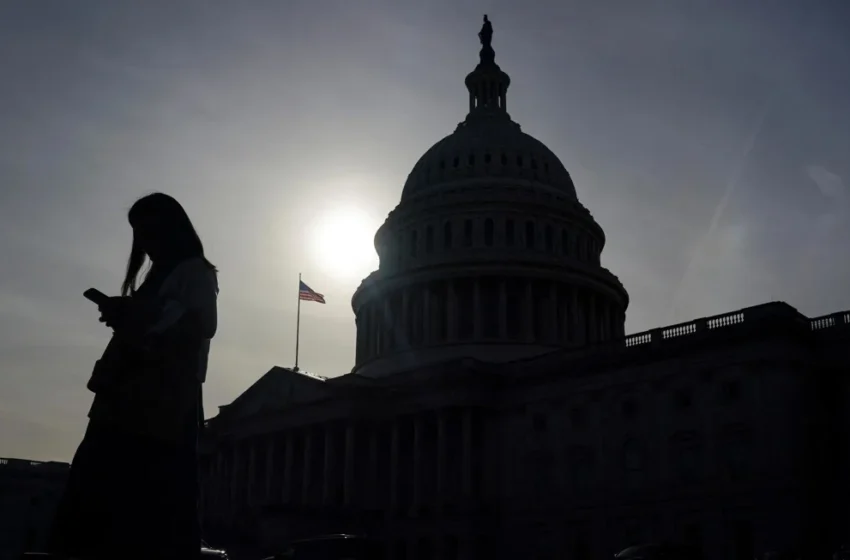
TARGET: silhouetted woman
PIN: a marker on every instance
(133, 487)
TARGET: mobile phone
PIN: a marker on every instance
(95, 296)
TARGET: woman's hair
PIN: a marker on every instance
(174, 231)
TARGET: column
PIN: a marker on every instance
(220, 483)
(328, 470)
(417, 460)
(387, 327)
(394, 441)
(451, 311)
(359, 323)
(252, 470)
(348, 475)
(476, 310)
(234, 477)
(427, 316)
(606, 321)
(308, 466)
(592, 322)
(442, 444)
(467, 452)
(575, 318)
(269, 467)
(528, 311)
(403, 320)
(374, 500)
(287, 467)
(503, 310)
(374, 330)
(552, 335)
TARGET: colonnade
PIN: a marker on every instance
(417, 462)
(523, 310)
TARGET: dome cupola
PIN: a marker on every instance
(489, 255)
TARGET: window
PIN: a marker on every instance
(565, 242)
(577, 417)
(687, 455)
(488, 232)
(632, 464)
(447, 235)
(509, 232)
(539, 422)
(693, 535)
(429, 239)
(731, 391)
(583, 463)
(467, 233)
(744, 542)
(529, 235)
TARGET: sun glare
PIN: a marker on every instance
(343, 243)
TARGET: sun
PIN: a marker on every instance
(343, 243)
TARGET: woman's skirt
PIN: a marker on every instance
(129, 496)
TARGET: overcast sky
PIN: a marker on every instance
(709, 138)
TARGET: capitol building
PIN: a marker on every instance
(497, 408)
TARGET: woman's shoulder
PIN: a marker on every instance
(195, 269)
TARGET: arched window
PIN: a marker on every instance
(488, 232)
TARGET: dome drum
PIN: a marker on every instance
(489, 254)
(472, 314)
(502, 232)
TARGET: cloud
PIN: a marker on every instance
(829, 183)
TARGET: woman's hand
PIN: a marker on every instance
(115, 311)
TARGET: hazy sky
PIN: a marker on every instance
(709, 138)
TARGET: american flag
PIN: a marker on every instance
(306, 293)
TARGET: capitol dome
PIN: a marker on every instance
(489, 254)
(491, 149)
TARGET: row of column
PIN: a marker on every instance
(486, 309)
(426, 460)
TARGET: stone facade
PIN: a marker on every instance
(496, 406)
(29, 494)
(729, 431)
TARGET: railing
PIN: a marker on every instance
(827, 321)
(770, 311)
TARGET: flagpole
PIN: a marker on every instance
(298, 323)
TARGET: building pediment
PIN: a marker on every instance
(277, 389)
